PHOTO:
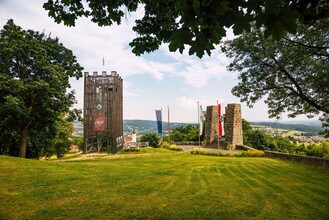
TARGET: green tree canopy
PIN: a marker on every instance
(152, 138)
(63, 138)
(199, 24)
(246, 126)
(292, 74)
(185, 133)
(34, 81)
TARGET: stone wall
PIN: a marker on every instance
(233, 125)
(196, 143)
(315, 161)
(245, 148)
(211, 124)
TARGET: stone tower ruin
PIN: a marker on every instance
(233, 125)
(211, 125)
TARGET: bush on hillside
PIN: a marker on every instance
(314, 150)
(166, 145)
(152, 138)
(171, 146)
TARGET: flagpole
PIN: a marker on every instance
(168, 125)
(199, 123)
(161, 130)
(218, 114)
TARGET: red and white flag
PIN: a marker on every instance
(220, 121)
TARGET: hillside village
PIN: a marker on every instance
(294, 135)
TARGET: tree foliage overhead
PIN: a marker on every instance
(198, 23)
(34, 79)
(292, 73)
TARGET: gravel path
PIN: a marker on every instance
(191, 147)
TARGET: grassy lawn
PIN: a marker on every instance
(162, 184)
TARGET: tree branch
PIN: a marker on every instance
(299, 91)
(307, 46)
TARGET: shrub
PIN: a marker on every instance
(166, 145)
(174, 147)
(132, 149)
(171, 146)
(197, 151)
(251, 153)
(257, 153)
(152, 138)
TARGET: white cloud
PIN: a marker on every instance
(198, 72)
(186, 103)
(130, 94)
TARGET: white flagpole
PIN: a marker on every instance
(218, 128)
(161, 130)
(168, 124)
(199, 124)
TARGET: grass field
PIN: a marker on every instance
(162, 184)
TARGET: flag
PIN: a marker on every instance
(103, 61)
(201, 119)
(158, 114)
(220, 120)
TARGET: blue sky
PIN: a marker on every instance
(152, 81)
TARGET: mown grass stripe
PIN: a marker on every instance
(160, 184)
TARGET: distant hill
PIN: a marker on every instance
(78, 128)
(140, 126)
(297, 127)
(313, 122)
(144, 126)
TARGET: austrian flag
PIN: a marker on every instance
(220, 120)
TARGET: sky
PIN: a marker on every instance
(150, 82)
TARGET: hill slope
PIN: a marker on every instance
(162, 184)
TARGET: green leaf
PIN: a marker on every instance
(196, 6)
(224, 7)
(289, 18)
